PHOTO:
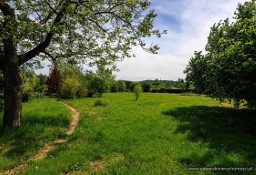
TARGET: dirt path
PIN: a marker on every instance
(43, 152)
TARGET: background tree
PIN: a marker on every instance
(72, 31)
(129, 85)
(146, 87)
(96, 84)
(229, 67)
(42, 83)
(197, 72)
(53, 81)
(118, 86)
(29, 82)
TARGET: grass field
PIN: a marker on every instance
(158, 134)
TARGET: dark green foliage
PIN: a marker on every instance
(146, 87)
(96, 85)
(228, 69)
(99, 82)
(118, 86)
(163, 85)
(197, 72)
(172, 90)
(42, 83)
(129, 85)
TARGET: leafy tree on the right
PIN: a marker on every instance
(228, 69)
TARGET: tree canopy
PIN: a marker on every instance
(228, 69)
(91, 32)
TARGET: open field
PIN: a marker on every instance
(158, 134)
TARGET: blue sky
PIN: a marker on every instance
(188, 23)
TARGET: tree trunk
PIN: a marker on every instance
(12, 95)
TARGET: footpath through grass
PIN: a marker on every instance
(43, 120)
(158, 134)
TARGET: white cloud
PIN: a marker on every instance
(188, 24)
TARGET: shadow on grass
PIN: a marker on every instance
(1, 104)
(229, 134)
(21, 142)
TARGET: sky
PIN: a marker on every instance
(188, 23)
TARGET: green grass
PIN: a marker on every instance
(158, 134)
(43, 121)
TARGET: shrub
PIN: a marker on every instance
(137, 90)
(82, 92)
(69, 88)
(101, 102)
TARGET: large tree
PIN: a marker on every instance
(77, 31)
(228, 68)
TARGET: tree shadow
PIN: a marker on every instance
(36, 131)
(230, 134)
(1, 104)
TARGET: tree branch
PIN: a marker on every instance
(6, 9)
(44, 44)
(44, 21)
(95, 22)
(54, 58)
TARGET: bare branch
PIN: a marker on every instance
(49, 55)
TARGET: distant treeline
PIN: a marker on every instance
(155, 86)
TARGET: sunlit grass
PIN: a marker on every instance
(158, 134)
(43, 120)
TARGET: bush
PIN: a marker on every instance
(101, 102)
(82, 92)
(137, 91)
(69, 88)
